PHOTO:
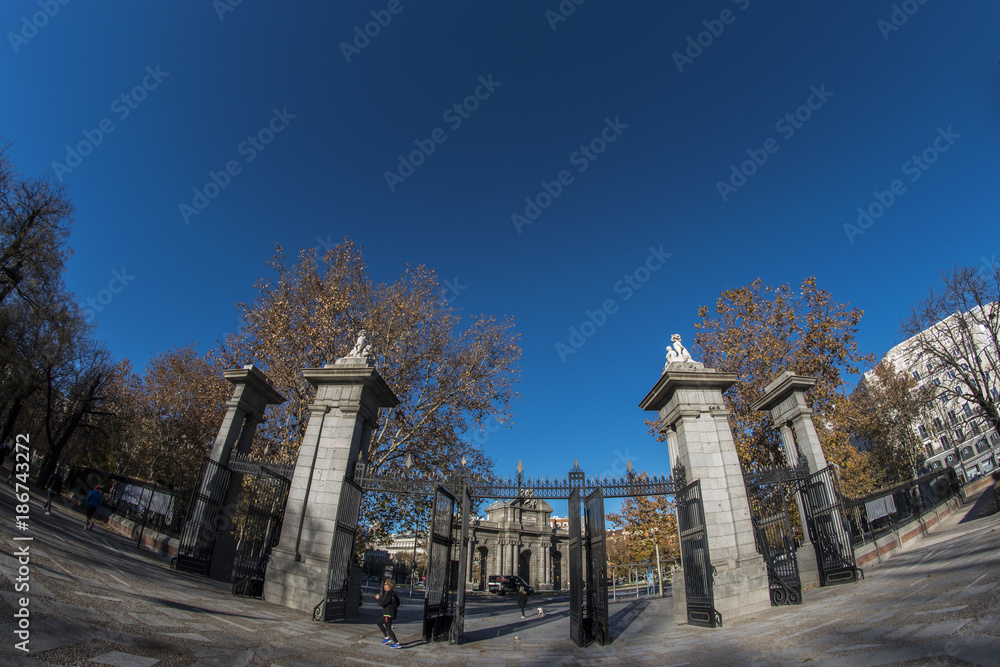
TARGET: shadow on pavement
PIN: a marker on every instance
(473, 636)
(985, 506)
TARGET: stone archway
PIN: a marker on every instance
(480, 576)
(556, 575)
(524, 565)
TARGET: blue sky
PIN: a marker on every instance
(868, 86)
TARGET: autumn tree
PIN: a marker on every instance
(451, 376)
(956, 328)
(646, 522)
(881, 416)
(758, 331)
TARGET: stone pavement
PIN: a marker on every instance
(96, 600)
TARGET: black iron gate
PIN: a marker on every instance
(258, 530)
(768, 493)
(205, 519)
(597, 569)
(458, 624)
(825, 519)
(576, 629)
(698, 569)
(437, 601)
(334, 607)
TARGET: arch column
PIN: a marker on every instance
(343, 415)
(252, 393)
(688, 398)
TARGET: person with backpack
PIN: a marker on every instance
(94, 500)
(389, 602)
(522, 598)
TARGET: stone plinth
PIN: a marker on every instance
(342, 418)
(688, 399)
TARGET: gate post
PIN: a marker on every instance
(688, 399)
(785, 399)
(342, 417)
(252, 393)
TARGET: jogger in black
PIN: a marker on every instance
(389, 602)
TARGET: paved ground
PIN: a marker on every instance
(95, 599)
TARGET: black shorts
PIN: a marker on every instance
(91, 510)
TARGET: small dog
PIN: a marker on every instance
(541, 612)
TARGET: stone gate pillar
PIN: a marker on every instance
(688, 399)
(252, 393)
(790, 413)
(342, 418)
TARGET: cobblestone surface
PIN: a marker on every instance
(96, 599)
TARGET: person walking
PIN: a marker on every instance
(522, 599)
(389, 602)
(54, 488)
(94, 500)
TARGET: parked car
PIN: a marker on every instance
(503, 583)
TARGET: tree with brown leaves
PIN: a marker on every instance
(881, 415)
(450, 376)
(758, 331)
(645, 522)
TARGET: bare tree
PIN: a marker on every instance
(34, 225)
(956, 327)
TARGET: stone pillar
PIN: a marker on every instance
(688, 399)
(790, 413)
(252, 393)
(342, 417)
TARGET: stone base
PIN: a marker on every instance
(679, 595)
(742, 590)
(805, 556)
(299, 585)
(739, 591)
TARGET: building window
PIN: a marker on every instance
(959, 390)
(944, 442)
(937, 424)
(952, 417)
(975, 428)
(923, 431)
(916, 375)
(929, 367)
(959, 435)
(967, 409)
(951, 375)
(937, 382)
(982, 445)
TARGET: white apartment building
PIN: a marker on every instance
(957, 435)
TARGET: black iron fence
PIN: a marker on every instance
(158, 508)
(878, 514)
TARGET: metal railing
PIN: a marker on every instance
(878, 514)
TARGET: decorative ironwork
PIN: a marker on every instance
(259, 532)
(825, 518)
(768, 491)
(334, 607)
(576, 629)
(458, 624)
(437, 616)
(408, 481)
(204, 520)
(699, 573)
(244, 463)
(597, 570)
